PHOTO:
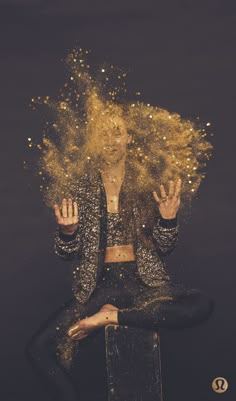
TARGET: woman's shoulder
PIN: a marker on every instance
(86, 179)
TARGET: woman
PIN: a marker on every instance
(118, 244)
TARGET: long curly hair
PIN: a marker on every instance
(164, 145)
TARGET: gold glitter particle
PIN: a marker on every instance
(63, 105)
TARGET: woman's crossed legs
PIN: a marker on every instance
(172, 307)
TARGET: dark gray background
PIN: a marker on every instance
(181, 56)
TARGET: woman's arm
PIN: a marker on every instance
(67, 235)
(66, 246)
(165, 233)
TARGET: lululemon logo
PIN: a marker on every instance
(219, 384)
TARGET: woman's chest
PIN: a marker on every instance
(112, 192)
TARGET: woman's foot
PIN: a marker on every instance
(108, 307)
(106, 315)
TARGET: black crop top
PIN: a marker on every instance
(116, 235)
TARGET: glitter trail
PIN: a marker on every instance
(164, 146)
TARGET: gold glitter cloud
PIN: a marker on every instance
(164, 145)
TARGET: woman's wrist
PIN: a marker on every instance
(69, 236)
(168, 223)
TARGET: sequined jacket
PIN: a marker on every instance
(86, 247)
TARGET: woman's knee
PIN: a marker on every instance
(39, 342)
(45, 338)
(201, 305)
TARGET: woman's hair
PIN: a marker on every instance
(164, 146)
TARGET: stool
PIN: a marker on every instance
(133, 364)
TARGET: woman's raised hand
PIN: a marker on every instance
(67, 218)
(169, 204)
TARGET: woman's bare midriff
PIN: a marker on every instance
(119, 253)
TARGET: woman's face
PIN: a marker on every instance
(113, 140)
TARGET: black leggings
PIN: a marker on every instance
(171, 306)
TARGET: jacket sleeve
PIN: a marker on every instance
(165, 234)
(66, 246)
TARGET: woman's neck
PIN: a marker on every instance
(112, 177)
(113, 171)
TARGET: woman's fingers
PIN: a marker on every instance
(64, 208)
(70, 211)
(76, 333)
(67, 209)
(73, 329)
(178, 188)
(58, 214)
(76, 212)
(171, 189)
(68, 214)
(156, 197)
(173, 192)
(163, 192)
